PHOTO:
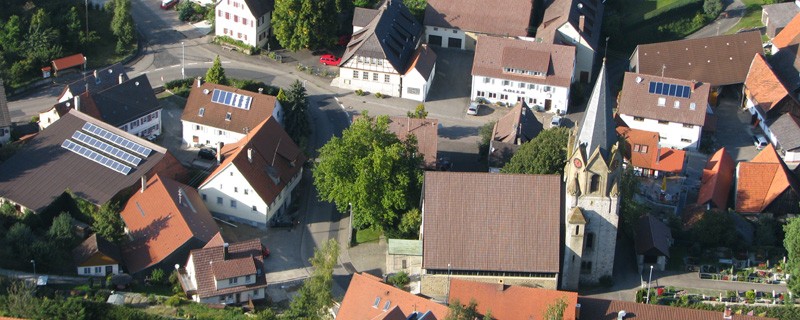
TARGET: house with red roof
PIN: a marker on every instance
(509, 302)
(164, 220)
(715, 185)
(225, 273)
(642, 151)
(66, 63)
(766, 97)
(97, 256)
(369, 298)
(458, 24)
(764, 185)
(603, 309)
(254, 181)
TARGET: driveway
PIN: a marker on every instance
(733, 12)
(734, 131)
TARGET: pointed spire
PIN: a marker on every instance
(597, 130)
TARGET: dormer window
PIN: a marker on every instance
(662, 102)
(377, 302)
(228, 116)
(201, 112)
(524, 72)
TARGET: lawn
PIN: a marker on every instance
(367, 235)
(631, 22)
(636, 11)
(751, 18)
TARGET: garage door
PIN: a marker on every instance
(454, 43)
(435, 40)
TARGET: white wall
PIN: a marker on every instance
(414, 82)
(791, 156)
(47, 118)
(671, 133)
(535, 97)
(584, 55)
(254, 33)
(145, 126)
(98, 270)
(446, 33)
(208, 136)
(348, 80)
(240, 281)
(245, 295)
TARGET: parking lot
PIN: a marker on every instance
(734, 131)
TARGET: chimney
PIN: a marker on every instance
(144, 185)
(121, 79)
(250, 155)
(500, 285)
(219, 151)
(578, 311)
(261, 90)
(78, 103)
(621, 314)
(727, 314)
(582, 23)
(180, 196)
(199, 81)
(225, 251)
(658, 154)
(694, 85)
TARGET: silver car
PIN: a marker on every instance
(555, 122)
(473, 108)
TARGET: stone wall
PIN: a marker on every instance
(436, 286)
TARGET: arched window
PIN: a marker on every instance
(594, 185)
(577, 230)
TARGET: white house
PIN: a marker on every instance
(217, 114)
(511, 70)
(244, 20)
(5, 117)
(575, 23)
(385, 56)
(130, 105)
(256, 176)
(222, 273)
(674, 108)
(457, 24)
(96, 256)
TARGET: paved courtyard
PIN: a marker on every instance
(734, 131)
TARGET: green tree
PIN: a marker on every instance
(630, 210)
(296, 118)
(712, 8)
(39, 21)
(716, 228)
(281, 96)
(555, 311)
(791, 242)
(485, 133)
(20, 300)
(462, 312)
(399, 279)
(60, 231)
(418, 113)
(410, 223)
(74, 28)
(20, 237)
(122, 24)
(216, 74)
(108, 223)
(314, 297)
(12, 35)
(372, 170)
(305, 24)
(545, 154)
(417, 8)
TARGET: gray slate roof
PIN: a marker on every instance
(597, 130)
(781, 13)
(652, 237)
(392, 35)
(260, 7)
(786, 63)
(42, 170)
(5, 118)
(787, 129)
(126, 102)
(104, 79)
(363, 16)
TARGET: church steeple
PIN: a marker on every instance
(597, 130)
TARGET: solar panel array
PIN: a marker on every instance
(231, 99)
(667, 89)
(107, 148)
(116, 139)
(96, 157)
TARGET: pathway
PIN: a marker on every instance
(725, 21)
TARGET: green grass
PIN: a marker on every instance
(367, 235)
(639, 10)
(751, 18)
(670, 22)
(103, 52)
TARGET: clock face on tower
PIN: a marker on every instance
(577, 163)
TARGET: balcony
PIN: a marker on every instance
(186, 282)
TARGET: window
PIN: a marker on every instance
(355, 74)
(455, 31)
(246, 191)
(412, 90)
(636, 147)
(594, 184)
(662, 102)
(219, 132)
(692, 106)
(235, 18)
(98, 269)
(577, 230)
(87, 270)
(228, 17)
(688, 126)
(386, 78)
(255, 292)
(521, 85)
(506, 83)
(481, 94)
(663, 122)
(546, 88)
(377, 302)
(201, 112)
(686, 140)
(492, 95)
(247, 278)
(638, 119)
(435, 29)
(235, 189)
(204, 197)
(503, 97)
(219, 13)
(589, 240)
(374, 77)
(487, 80)
(219, 200)
(239, 35)
(233, 203)
(531, 86)
(244, 21)
(233, 280)
(644, 149)
(227, 117)
(365, 76)
(254, 209)
(662, 138)
(586, 267)
(389, 302)
(677, 104)
(405, 264)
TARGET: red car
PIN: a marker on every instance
(330, 60)
(166, 4)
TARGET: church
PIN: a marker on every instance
(502, 232)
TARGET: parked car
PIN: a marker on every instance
(166, 4)
(207, 153)
(330, 60)
(555, 122)
(473, 108)
(760, 141)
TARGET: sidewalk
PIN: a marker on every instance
(51, 278)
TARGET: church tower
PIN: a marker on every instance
(591, 210)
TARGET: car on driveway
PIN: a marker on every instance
(555, 122)
(473, 108)
(330, 60)
(166, 4)
(760, 141)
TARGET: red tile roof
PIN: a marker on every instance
(92, 245)
(249, 260)
(602, 309)
(636, 100)
(510, 302)
(502, 17)
(493, 54)
(366, 290)
(760, 181)
(763, 86)
(463, 214)
(273, 149)
(214, 114)
(216, 241)
(789, 35)
(233, 268)
(159, 223)
(68, 62)
(426, 131)
(642, 150)
(717, 178)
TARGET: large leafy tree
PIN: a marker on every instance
(216, 74)
(314, 296)
(295, 102)
(465, 312)
(108, 223)
(715, 228)
(545, 154)
(122, 24)
(372, 170)
(305, 24)
(555, 311)
(791, 242)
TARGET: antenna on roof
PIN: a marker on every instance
(276, 152)
(663, 68)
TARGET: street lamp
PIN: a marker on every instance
(447, 296)
(648, 284)
(183, 61)
(34, 269)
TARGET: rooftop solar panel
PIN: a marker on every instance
(116, 139)
(106, 148)
(96, 157)
(231, 99)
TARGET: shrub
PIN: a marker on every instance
(173, 301)
(157, 276)
(379, 95)
(399, 279)
(360, 92)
